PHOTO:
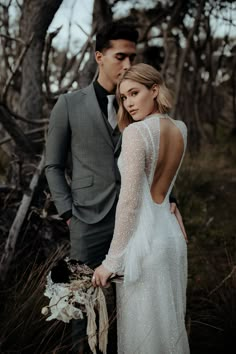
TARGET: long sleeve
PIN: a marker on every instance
(132, 174)
(58, 142)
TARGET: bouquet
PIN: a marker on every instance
(72, 296)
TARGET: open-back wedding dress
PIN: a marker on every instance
(148, 245)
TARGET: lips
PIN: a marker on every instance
(133, 112)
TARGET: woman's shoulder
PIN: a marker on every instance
(134, 132)
(183, 126)
(132, 128)
(180, 124)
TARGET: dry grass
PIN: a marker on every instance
(23, 328)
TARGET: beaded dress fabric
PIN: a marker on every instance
(148, 245)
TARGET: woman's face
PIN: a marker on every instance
(137, 99)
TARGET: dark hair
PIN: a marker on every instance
(112, 31)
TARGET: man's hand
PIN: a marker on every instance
(68, 222)
(175, 210)
(100, 276)
(173, 207)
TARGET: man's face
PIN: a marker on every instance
(114, 61)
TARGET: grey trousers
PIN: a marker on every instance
(89, 243)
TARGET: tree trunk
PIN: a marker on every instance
(36, 18)
(184, 56)
(233, 85)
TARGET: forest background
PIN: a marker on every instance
(193, 44)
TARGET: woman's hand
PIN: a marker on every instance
(100, 276)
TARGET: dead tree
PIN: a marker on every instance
(36, 18)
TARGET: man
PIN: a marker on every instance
(79, 123)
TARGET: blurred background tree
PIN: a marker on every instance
(177, 37)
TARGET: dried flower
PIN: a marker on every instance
(45, 311)
(72, 296)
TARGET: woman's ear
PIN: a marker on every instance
(155, 91)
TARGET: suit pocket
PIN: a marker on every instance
(83, 182)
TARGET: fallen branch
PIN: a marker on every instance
(18, 221)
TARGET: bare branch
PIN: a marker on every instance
(63, 70)
(30, 132)
(12, 39)
(48, 47)
(76, 70)
(81, 28)
(18, 63)
(15, 131)
(23, 119)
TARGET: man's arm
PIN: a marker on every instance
(57, 146)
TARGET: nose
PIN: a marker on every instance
(129, 102)
(126, 63)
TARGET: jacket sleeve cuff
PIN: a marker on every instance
(172, 199)
(67, 215)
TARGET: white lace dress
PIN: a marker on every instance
(149, 248)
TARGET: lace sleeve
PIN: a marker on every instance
(132, 174)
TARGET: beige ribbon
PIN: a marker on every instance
(98, 300)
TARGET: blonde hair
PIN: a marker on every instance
(148, 76)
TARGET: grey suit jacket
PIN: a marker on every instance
(77, 124)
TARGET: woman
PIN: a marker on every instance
(148, 245)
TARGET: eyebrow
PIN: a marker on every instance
(132, 88)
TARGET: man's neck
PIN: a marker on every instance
(107, 86)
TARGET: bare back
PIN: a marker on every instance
(171, 149)
(164, 142)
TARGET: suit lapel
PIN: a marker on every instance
(95, 114)
(118, 144)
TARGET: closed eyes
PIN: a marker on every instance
(122, 56)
